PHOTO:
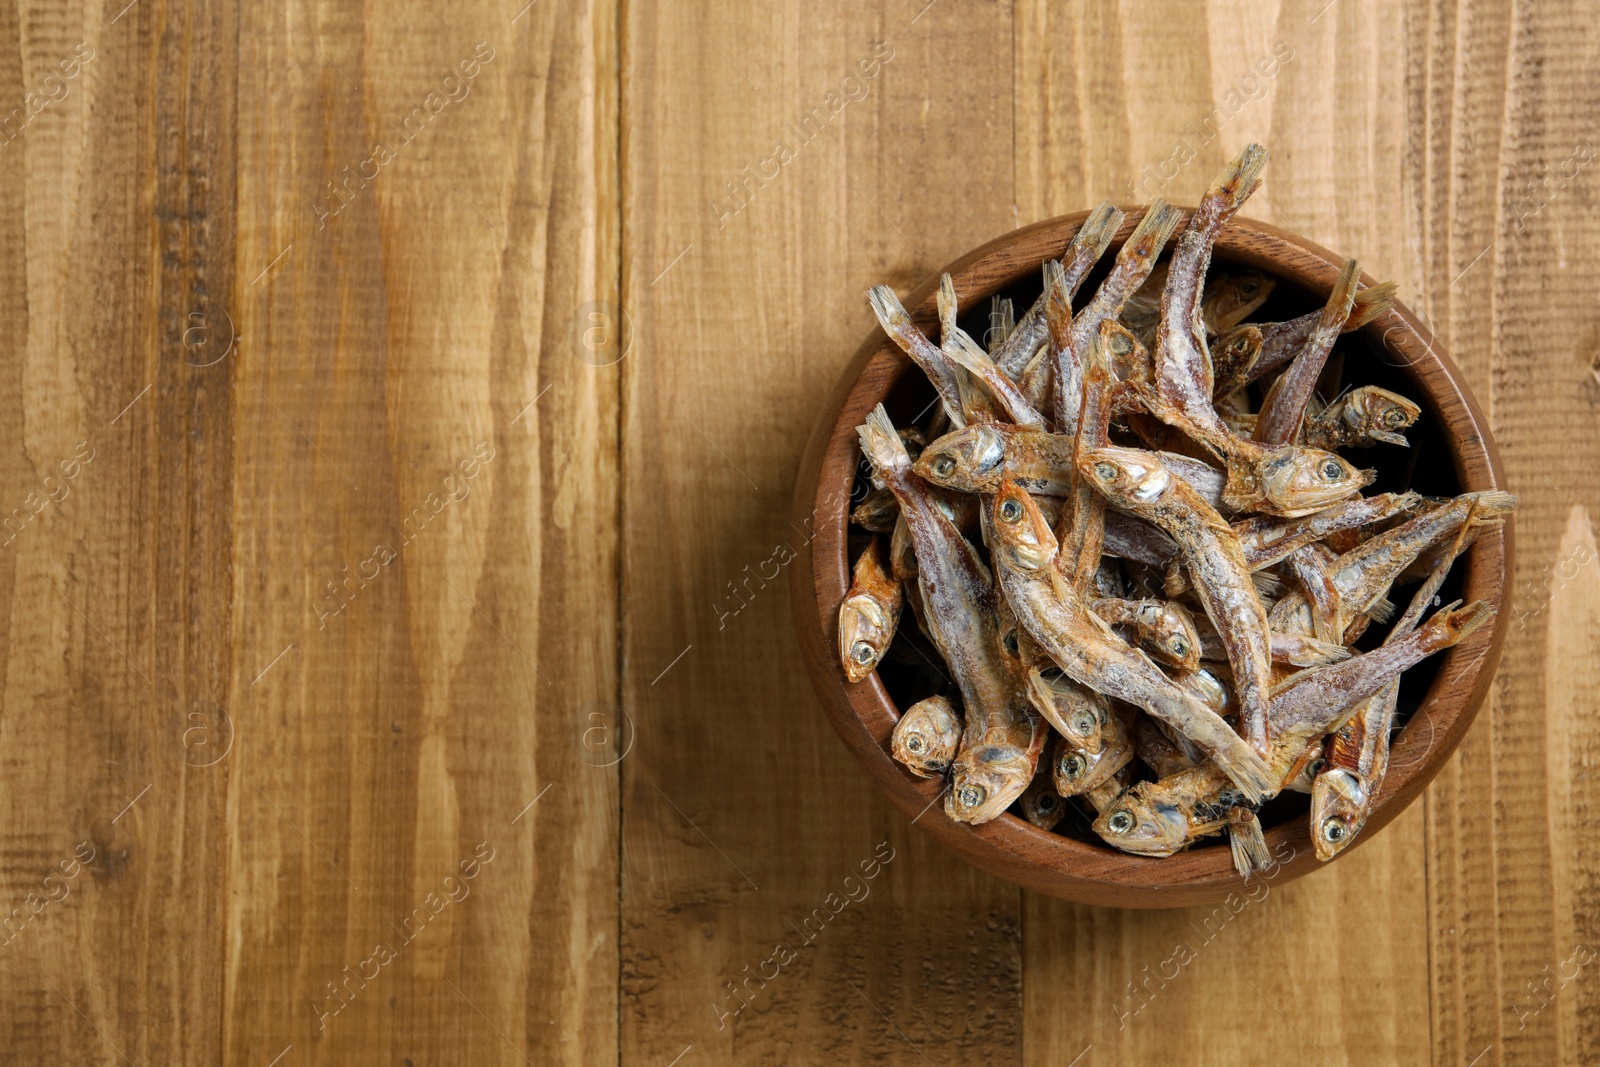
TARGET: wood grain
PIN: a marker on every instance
(1503, 875)
(743, 818)
(167, 614)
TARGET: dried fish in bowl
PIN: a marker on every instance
(1138, 553)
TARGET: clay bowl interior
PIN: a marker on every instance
(1451, 452)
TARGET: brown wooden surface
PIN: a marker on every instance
(264, 792)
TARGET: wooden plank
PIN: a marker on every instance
(426, 611)
(1224, 74)
(1501, 200)
(743, 813)
(117, 566)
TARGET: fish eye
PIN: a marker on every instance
(1333, 829)
(1010, 511)
(970, 796)
(864, 653)
(944, 466)
(914, 743)
(1083, 723)
(1394, 417)
(1072, 766)
(1045, 802)
(1120, 822)
(1105, 472)
(1119, 344)
(1010, 642)
(1316, 766)
(1332, 471)
(1180, 647)
(1247, 289)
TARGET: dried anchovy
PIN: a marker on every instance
(1104, 543)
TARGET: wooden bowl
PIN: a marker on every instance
(1090, 871)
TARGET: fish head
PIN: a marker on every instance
(865, 630)
(1018, 532)
(1129, 478)
(1077, 768)
(913, 439)
(1077, 713)
(985, 780)
(1304, 775)
(877, 511)
(1130, 360)
(968, 460)
(1380, 414)
(1167, 630)
(1233, 298)
(1134, 823)
(926, 737)
(1297, 480)
(1339, 805)
(1042, 805)
(1208, 689)
(1236, 352)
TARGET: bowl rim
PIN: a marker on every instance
(863, 713)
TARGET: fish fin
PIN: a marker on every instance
(947, 306)
(1369, 303)
(1380, 610)
(881, 444)
(967, 354)
(1247, 842)
(1267, 584)
(1309, 652)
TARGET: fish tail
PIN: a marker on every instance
(1369, 303)
(1247, 842)
(1266, 583)
(1246, 769)
(881, 444)
(1241, 177)
(1058, 301)
(1097, 230)
(1313, 653)
(1380, 610)
(1153, 231)
(1463, 622)
(1407, 502)
(947, 306)
(1337, 310)
(891, 313)
(1493, 504)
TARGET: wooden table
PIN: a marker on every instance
(401, 405)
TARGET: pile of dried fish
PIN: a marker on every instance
(1101, 540)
